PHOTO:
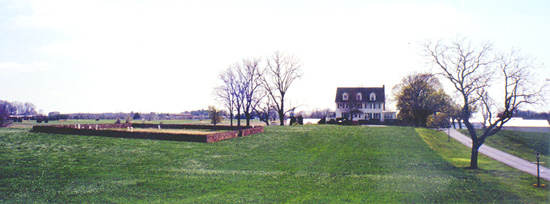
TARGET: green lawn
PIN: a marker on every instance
(490, 170)
(311, 164)
(521, 144)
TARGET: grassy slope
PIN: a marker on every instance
(521, 144)
(491, 170)
(314, 164)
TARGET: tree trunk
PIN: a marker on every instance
(473, 157)
(453, 121)
(424, 122)
(282, 110)
(231, 118)
(247, 119)
(281, 117)
(238, 118)
(476, 142)
(266, 119)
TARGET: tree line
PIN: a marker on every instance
(15, 108)
(256, 86)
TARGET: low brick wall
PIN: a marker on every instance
(93, 126)
(251, 131)
(216, 137)
(187, 126)
(100, 130)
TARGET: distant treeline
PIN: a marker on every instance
(131, 115)
(15, 111)
(532, 115)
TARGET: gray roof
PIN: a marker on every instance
(365, 91)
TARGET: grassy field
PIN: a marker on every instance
(521, 144)
(490, 170)
(311, 164)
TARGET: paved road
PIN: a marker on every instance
(508, 159)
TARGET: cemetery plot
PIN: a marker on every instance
(174, 132)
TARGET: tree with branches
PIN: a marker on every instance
(223, 93)
(476, 72)
(280, 72)
(420, 96)
(265, 110)
(241, 89)
(249, 75)
(214, 114)
(231, 91)
(351, 107)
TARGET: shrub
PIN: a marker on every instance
(214, 114)
(4, 114)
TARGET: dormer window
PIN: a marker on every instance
(372, 96)
(359, 96)
(345, 96)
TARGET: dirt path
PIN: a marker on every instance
(508, 159)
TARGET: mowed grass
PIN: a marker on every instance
(311, 164)
(524, 145)
(490, 170)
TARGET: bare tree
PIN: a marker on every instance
(473, 70)
(16, 108)
(351, 107)
(223, 93)
(319, 113)
(28, 108)
(232, 91)
(281, 71)
(249, 75)
(265, 109)
(240, 89)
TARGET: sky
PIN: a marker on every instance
(166, 56)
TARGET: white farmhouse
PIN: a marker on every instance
(360, 103)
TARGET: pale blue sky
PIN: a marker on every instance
(165, 56)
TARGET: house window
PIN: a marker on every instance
(372, 96)
(359, 96)
(345, 96)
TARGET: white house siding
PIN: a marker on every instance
(372, 100)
